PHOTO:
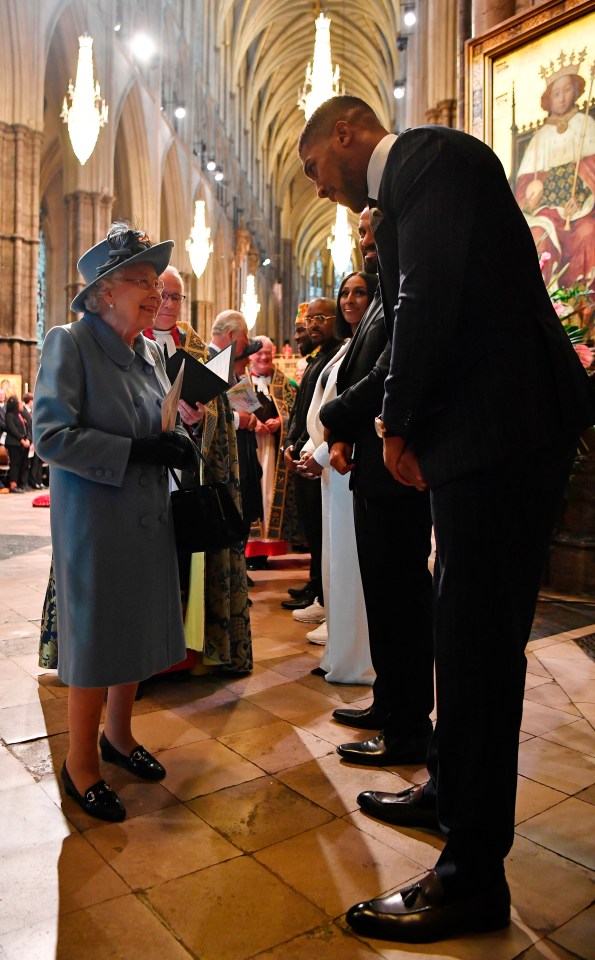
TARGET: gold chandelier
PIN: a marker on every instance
(199, 244)
(87, 112)
(340, 242)
(321, 81)
(250, 305)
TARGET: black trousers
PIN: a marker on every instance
(393, 545)
(35, 469)
(493, 529)
(18, 464)
(308, 498)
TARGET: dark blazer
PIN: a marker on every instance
(481, 367)
(360, 388)
(16, 430)
(28, 422)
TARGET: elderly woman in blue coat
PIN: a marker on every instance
(97, 422)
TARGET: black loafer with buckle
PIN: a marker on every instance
(98, 801)
(139, 762)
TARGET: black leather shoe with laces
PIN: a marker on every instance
(366, 719)
(413, 807)
(378, 753)
(298, 592)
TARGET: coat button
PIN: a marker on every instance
(109, 474)
(138, 401)
(145, 521)
(143, 480)
(159, 401)
(99, 472)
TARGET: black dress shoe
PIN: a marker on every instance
(378, 753)
(249, 580)
(318, 672)
(140, 762)
(305, 601)
(298, 592)
(410, 808)
(368, 719)
(99, 800)
(423, 912)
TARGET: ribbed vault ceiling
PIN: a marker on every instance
(271, 41)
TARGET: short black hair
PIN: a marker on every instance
(328, 113)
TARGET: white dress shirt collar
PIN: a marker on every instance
(377, 164)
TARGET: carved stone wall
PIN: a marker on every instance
(488, 13)
(88, 216)
(19, 241)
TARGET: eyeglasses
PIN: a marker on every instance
(174, 297)
(320, 317)
(145, 284)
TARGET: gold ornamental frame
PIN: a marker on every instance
(511, 106)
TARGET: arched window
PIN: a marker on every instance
(316, 276)
(41, 288)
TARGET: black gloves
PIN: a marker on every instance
(168, 449)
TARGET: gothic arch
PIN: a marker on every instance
(176, 217)
(136, 196)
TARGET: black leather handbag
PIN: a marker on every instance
(205, 516)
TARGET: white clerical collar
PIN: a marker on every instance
(377, 164)
(261, 383)
(166, 342)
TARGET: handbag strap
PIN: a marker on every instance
(197, 453)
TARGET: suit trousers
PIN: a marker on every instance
(308, 497)
(492, 530)
(393, 535)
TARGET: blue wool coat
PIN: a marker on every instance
(117, 587)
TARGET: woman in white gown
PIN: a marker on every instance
(346, 658)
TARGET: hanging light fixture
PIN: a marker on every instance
(340, 242)
(321, 81)
(87, 112)
(250, 305)
(199, 244)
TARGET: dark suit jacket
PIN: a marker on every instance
(481, 367)
(360, 389)
(297, 431)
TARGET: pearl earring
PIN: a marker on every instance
(111, 306)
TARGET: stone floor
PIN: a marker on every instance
(253, 845)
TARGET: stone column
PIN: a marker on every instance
(489, 13)
(441, 59)
(88, 216)
(290, 284)
(463, 34)
(19, 243)
(243, 240)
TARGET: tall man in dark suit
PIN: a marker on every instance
(392, 528)
(483, 403)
